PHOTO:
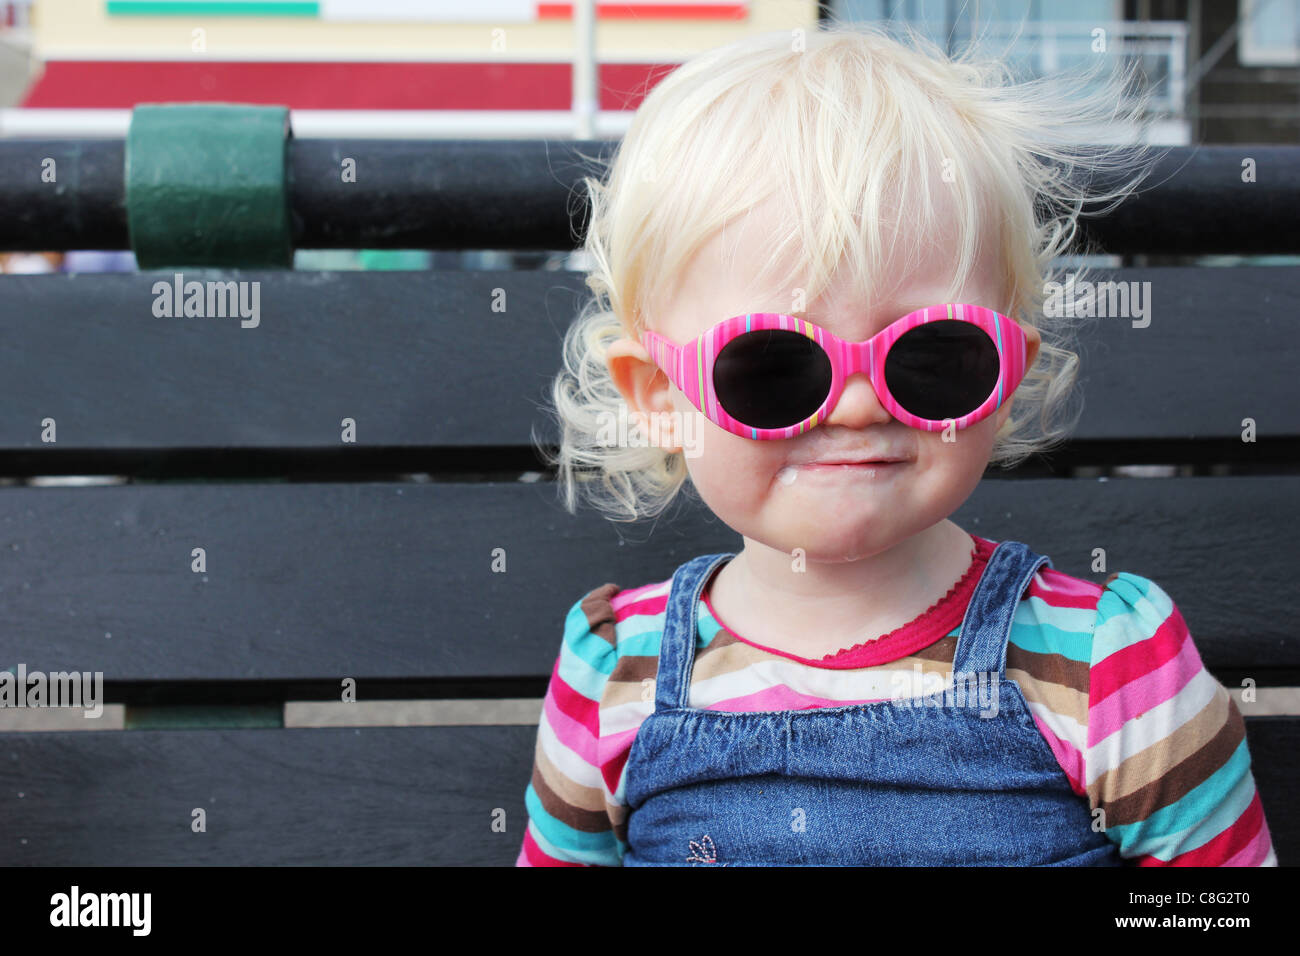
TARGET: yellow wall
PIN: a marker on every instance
(82, 29)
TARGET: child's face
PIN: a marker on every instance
(770, 491)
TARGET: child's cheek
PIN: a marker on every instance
(968, 449)
(735, 476)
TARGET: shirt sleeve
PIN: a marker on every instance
(1166, 758)
(568, 820)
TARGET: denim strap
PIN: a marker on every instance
(982, 646)
(677, 647)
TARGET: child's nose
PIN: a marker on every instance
(858, 406)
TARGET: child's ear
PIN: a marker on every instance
(1031, 346)
(639, 380)
(643, 385)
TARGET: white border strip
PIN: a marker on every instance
(341, 124)
(325, 54)
(1272, 702)
(425, 124)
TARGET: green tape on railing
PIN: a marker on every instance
(206, 185)
(202, 716)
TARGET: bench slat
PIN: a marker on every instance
(420, 359)
(399, 796)
(337, 796)
(393, 580)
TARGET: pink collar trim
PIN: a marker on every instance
(933, 624)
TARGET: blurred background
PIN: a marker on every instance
(1223, 72)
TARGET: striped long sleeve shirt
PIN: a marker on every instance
(1114, 682)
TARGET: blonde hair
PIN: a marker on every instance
(832, 126)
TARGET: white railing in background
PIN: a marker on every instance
(417, 124)
(586, 89)
(340, 124)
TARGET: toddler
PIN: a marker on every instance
(818, 266)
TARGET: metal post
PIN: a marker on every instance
(584, 69)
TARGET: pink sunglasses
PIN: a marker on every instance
(766, 375)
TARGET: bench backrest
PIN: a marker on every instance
(377, 559)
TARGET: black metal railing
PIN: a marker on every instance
(527, 195)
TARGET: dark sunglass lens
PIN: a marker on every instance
(943, 369)
(771, 378)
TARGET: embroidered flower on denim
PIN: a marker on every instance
(704, 851)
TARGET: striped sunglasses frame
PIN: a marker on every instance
(691, 366)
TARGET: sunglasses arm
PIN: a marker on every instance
(665, 354)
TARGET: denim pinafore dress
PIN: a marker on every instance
(926, 781)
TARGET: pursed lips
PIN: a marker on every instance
(850, 462)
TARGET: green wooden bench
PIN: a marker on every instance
(372, 561)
